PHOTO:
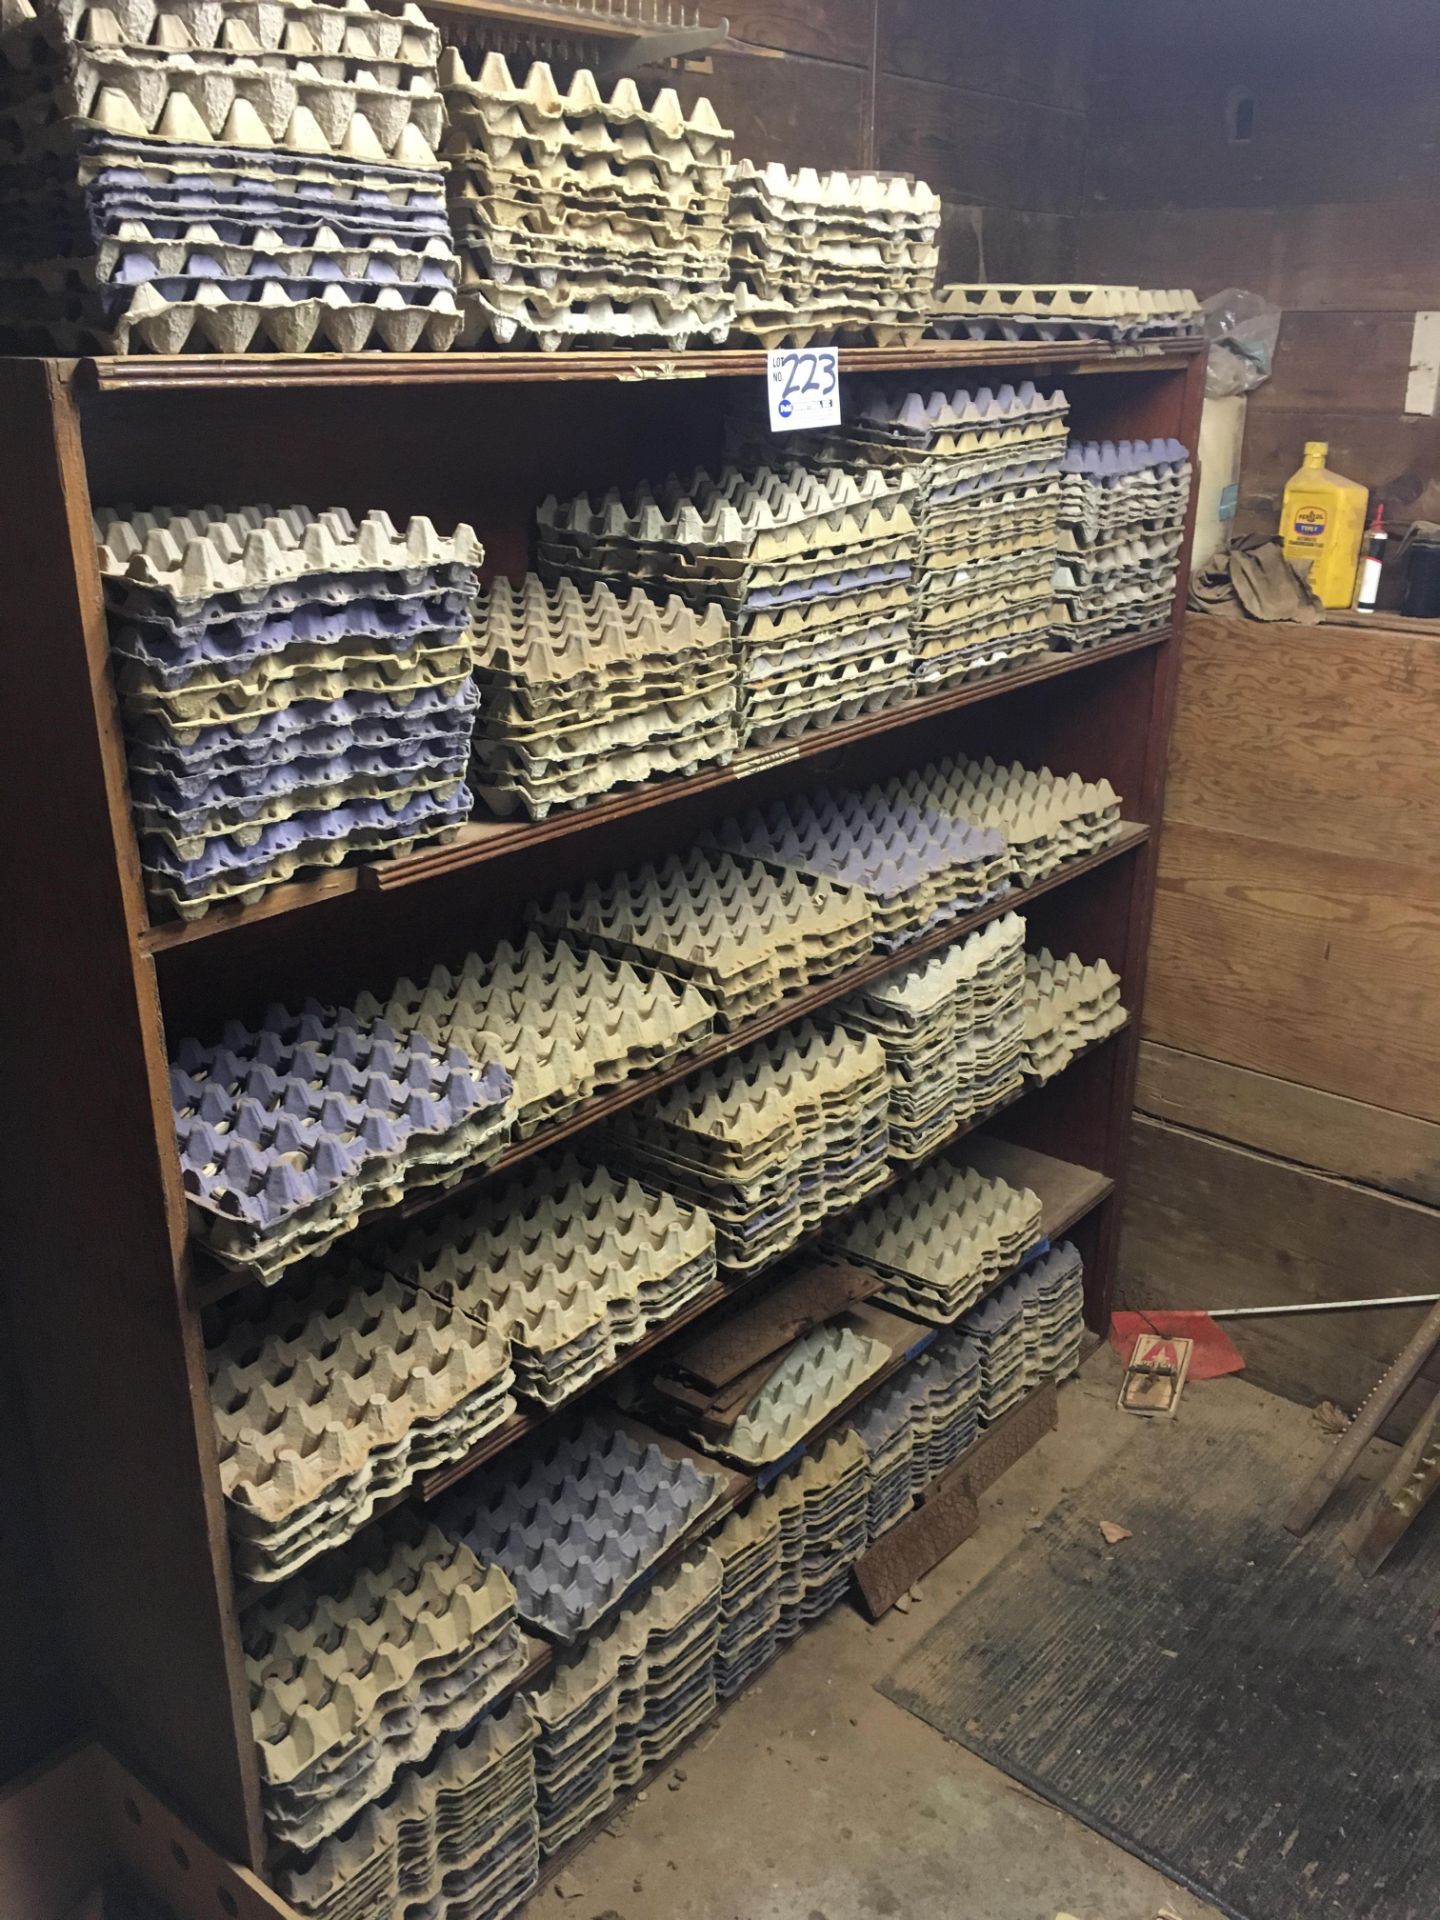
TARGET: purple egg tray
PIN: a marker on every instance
(274, 1119)
(1110, 459)
(189, 797)
(368, 717)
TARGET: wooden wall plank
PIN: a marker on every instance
(1345, 763)
(1326, 360)
(1397, 456)
(802, 112)
(1325, 1131)
(1382, 257)
(1021, 49)
(830, 30)
(1212, 1225)
(980, 147)
(1337, 115)
(1305, 965)
(998, 243)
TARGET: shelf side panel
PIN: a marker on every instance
(108, 1348)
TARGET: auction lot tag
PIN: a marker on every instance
(804, 384)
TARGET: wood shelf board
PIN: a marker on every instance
(152, 373)
(1067, 1191)
(481, 841)
(794, 1007)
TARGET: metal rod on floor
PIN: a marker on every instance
(1324, 1306)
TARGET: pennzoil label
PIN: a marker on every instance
(1310, 522)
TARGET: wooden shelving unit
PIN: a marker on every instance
(107, 1298)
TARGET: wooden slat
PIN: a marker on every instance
(1325, 1131)
(1374, 258)
(482, 841)
(109, 1352)
(980, 148)
(1345, 762)
(1328, 361)
(1309, 966)
(1212, 1225)
(802, 112)
(837, 30)
(215, 371)
(1023, 51)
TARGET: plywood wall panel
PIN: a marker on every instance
(1211, 1225)
(1396, 456)
(832, 30)
(1024, 50)
(1326, 360)
(1344, 762)
(800, 111)
(980, 148)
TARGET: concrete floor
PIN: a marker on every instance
(816, 1798)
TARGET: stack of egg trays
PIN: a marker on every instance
(295, 688)
(824, 1503)
(584, 220)
(1068, 1007)
(331, 1392)
(917, 867)
(992, 310)
(577, 1022)
(983, 469)
(627, 1699)
(1122, 524)
(745, 934)
(1046, 819)
(917, 1426)
(820, 257)
(577, 1517)
(583, 692)
(811, 569)
(819, 1372)
(768, 1142)
(288, 1132)
(359, 1669)
(457, 1835)
(950, 1026)
(941, 1238)
(568, 1265)
(219, 175)
(1029, 1331)
(748, 1548)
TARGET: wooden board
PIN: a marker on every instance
(802, 112)
(1325, 1131)
(1309, 966)
(1397, 456)
(51, 1844)
(836, 30)
(817, 1293)
(980, 148)
(1340, 359)
(1212, 1225)
(1377, 258)
(1020, 50)
(1066, 1192)
(1344, 763)
(914, 1545)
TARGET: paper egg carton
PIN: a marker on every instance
(584, 218)
(744, 934)
(917, 868)
(824, 1505)
(1046, 819)
(359, 1670)
(569, 1265)
(457, 1835)
(576, 1519)
(288, 1132)
(589, 1022)
(748, 1548)
(1029, 1331)
(626, 1701)
(1030, 311)
(819, 1373)
(951, 1027)
(1122, 517)
(824, 256)
(222, 621)
(331, 1394)
(1068, 1007)
(941, 1238)
(224, 176)
(769, 1141)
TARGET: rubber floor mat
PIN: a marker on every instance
(1236, 1707)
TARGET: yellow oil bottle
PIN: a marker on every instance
(1322, 524)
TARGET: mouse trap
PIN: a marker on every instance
(1155, 1376)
